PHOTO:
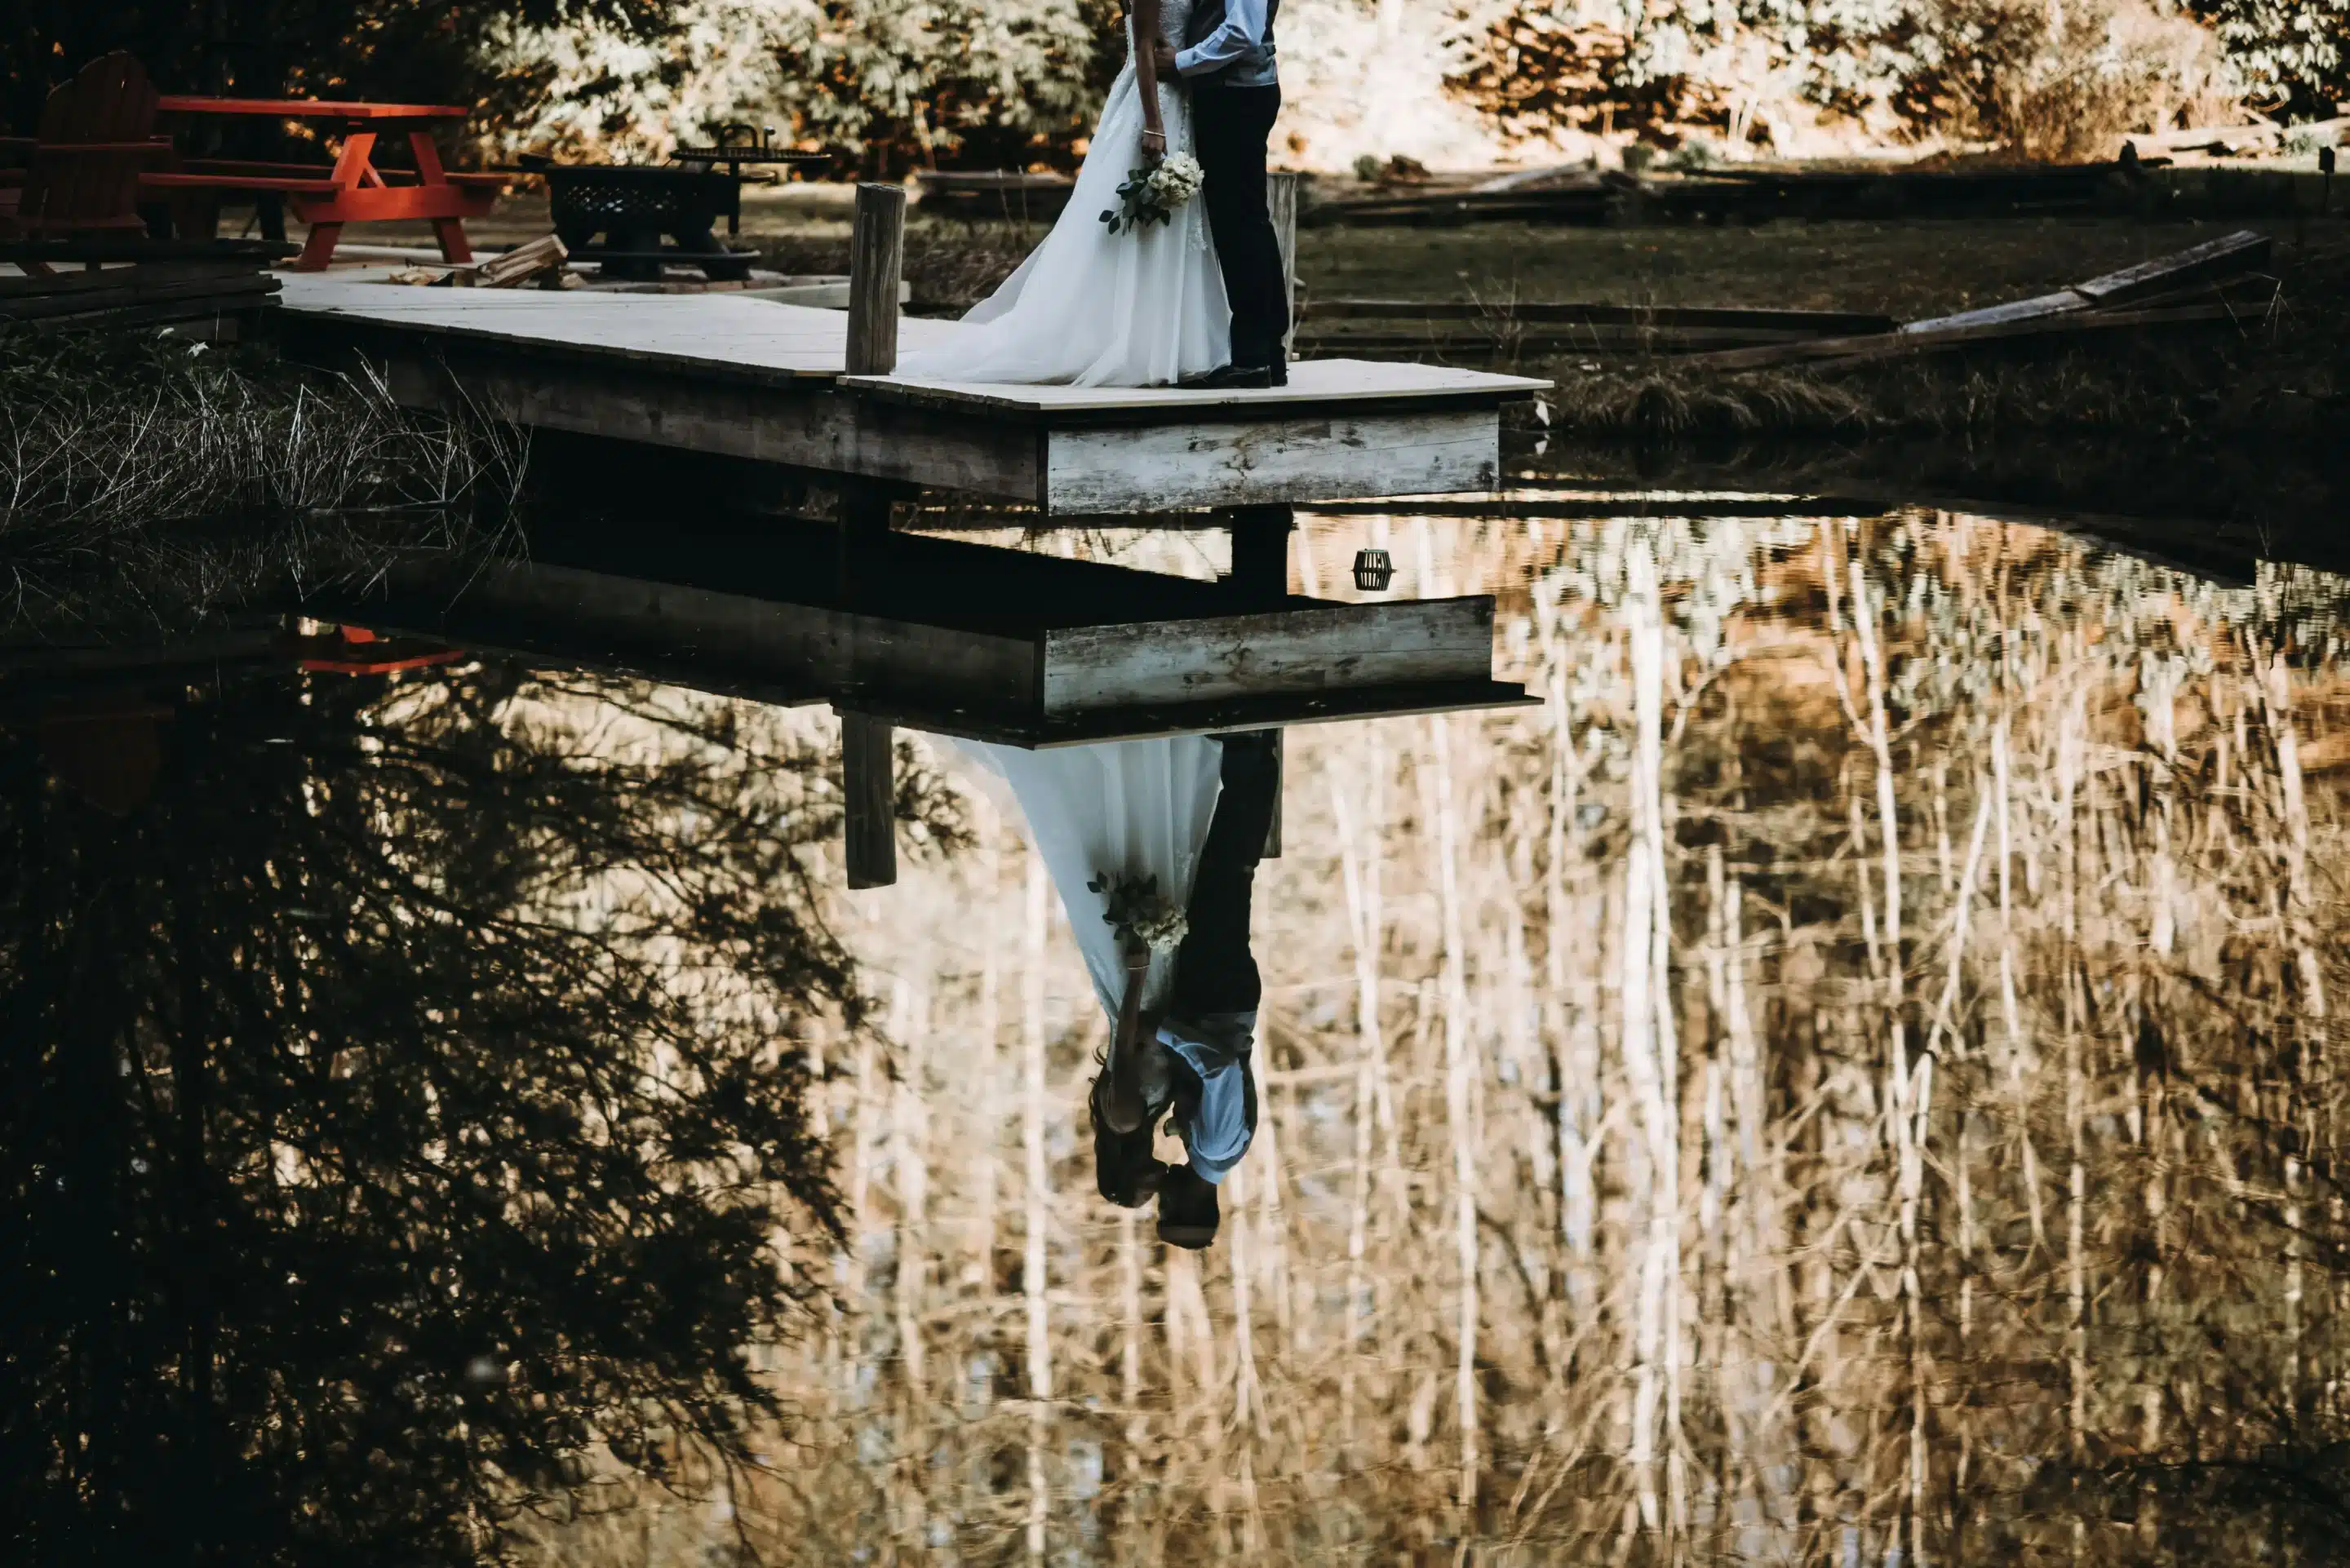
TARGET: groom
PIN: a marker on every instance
(1206, 1036)
(1227, 61)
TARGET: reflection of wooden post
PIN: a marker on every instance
(1280, 778)
(1260, 553)
(1281, 201)
(877, 258)
(868, 798)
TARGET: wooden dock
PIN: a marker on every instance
(759, 380)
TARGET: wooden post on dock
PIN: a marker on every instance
(876, 259)
(1281, 201)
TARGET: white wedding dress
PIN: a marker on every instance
(1138, 808)
(1090, 308)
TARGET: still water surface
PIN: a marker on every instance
(1846, 1077)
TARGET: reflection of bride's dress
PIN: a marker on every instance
(1098, 309)
(1141, 808)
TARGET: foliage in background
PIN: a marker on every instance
(413, 51)
(889, 87)
(1012, 82)
(2033, 80)
(2293, 52)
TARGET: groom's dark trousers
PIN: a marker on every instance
(1229, 128)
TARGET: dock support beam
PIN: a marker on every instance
(868, 787)
(1260, 553)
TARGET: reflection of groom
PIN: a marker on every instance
(1207, 1030)
(1227, 61)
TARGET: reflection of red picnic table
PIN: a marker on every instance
(352, 191)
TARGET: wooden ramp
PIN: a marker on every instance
(759, 380)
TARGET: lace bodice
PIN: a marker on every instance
(1174, 16)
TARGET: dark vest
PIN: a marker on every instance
(1254, 68)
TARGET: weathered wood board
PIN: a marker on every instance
(1323, 648)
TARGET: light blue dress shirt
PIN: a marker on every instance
(1216, 1046)
(1239, 43)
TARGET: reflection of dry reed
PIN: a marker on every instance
(1848, 1073)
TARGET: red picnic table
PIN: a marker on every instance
(354, 190)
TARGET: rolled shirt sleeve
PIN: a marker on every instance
(1242, 30)
(1217, 1047)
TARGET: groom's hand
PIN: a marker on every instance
(1162, 54)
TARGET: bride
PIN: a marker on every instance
(1090, 309)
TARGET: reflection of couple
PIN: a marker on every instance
(1194, 812)
(1201, 300)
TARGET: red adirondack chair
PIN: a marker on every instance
(80, 180)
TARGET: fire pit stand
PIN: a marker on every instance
(635, 207)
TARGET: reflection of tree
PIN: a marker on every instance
(394, 1109)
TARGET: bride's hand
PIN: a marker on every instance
(1154, 144)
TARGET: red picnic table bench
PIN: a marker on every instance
(96, 154)
(353, 189)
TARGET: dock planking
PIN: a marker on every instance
(764, 380)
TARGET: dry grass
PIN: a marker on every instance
(152, 477)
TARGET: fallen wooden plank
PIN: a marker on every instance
(1569, 176)
(230, 294)
(1898, 345)
(992, 180)
(1583, 204)
(73, 253)
(1609, 341)
(2224, 136)
(143, 275)
(1817, 323)
(2230, 256)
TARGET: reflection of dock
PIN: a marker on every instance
(968, 640)
(753, 379)
(962, 639)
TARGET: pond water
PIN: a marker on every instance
(1845, 1076)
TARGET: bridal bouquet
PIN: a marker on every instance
(1152, 192)
(1139, 914)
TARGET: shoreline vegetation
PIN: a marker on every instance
(2272, 374)
(147, 479)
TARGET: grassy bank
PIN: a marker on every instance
(2278, 372)
(146, 477)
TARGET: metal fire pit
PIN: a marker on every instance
(637, 207)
